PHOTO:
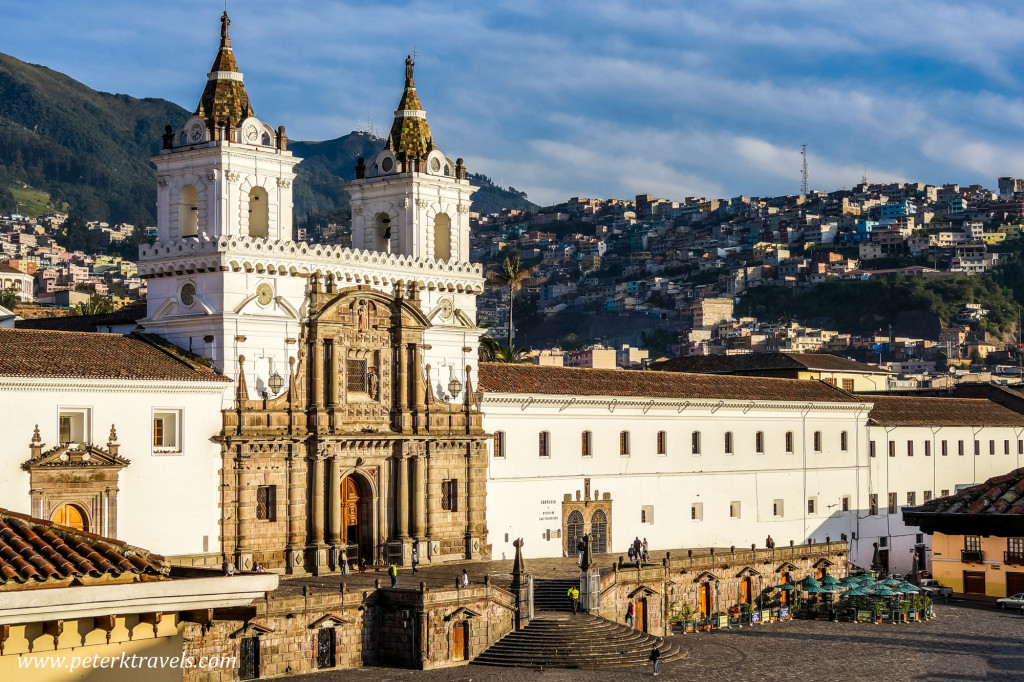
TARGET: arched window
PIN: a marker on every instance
(544, 444)
(759, 442)
(70, 515)
(599, 532)
(573, 532)
(188, 211)
(259, 213)
(662, 443)
(624, 443)
(499, 443)
(381, 232)
(442, 237)
(695, 442)
(585, 445)
(728, 442)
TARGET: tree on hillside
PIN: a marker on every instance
(492, 351)
(9, 298)
(512, 275)
(96, 305)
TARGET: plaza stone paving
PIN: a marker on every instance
(966, 642)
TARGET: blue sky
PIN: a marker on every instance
(595, 98)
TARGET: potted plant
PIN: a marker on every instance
(686, 615)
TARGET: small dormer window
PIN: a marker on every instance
(387, 165)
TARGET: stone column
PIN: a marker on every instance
(334, 536)
(296, 517)
(419, 497)
(403, 377)
(402, 492)
(382, 509)
(332, 387)
(111, 494)
(417, 373)
(316, 368)
(318, 500)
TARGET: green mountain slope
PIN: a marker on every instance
(89, 151)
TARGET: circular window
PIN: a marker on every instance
(435, 165)
(188, 294)
(387, 164)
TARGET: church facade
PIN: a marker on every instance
(354, 430)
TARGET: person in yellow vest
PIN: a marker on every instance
(574, 598)
(393, 572)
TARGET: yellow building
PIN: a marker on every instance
(76, 606)
(977, 537)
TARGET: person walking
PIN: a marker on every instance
(393, 572)
(345, 568)
(574, 598)
(579, 552)
(629, 615)
(653, 658)
(465, 578)
(415, 558)
(645, 554)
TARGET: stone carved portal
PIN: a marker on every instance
(357, 517)
(586, 514)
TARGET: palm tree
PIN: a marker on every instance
(511, 275)
(492, 351)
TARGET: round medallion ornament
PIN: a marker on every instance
(435, 165)
(188, 294)
(197, 131)
(264, 293)
(252, 133)
(387, 164)
(446, 309)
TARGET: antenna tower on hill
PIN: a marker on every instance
(803, 172)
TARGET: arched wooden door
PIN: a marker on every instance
(746, 591)
(69, 515)
(573, 532)
(599, 532)
(356, 516)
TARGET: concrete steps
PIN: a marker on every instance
(564, 640)
(552, 595)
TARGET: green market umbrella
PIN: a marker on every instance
(883, 591)
(906, 588)
(815, 589)
(830, 581)
(809, 582)
(786, 586)
(891, 582)
(858, 591)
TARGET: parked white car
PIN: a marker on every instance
(1013, 602)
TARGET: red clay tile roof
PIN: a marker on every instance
(42, 551)
(919, 411)
(41, 353)
(757, 362)
(87, 323)
(512, 378)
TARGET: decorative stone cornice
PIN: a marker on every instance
(680, 406)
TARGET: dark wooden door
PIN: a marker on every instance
(325, 648)
(249, 658)
(641, 615)
(1014, 583)
(459, 640)
(350, 511)
(974, 582)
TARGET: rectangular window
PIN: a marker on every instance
(945, 449)
(972, 543)
(911, 499)
(266, 503)
(817, 441)
(778, 508)
(927, 448)
(695, 442)
(759, 442)
(892, 503)
(325, 647)
(977, 448)
(945, 492)
(734, 510)
(166, 431)
(1015, 545)
(450, 495)
(910, 448)
(832, 382)
(543, 445)
(355, 376)
(624, 443)
(697, 511)
(811, 504)
(1006, 447)
(789, 441)
(728, 442)
(1020, 447)
(585, 444)
(991, 447)
(499, 444)
(960, 448)
(847, 384)
(873, 504)
(927, 496)
(647, 514)
(74, 425)
(846, 503)
(662, 443)
(871, 448)
(844, 441)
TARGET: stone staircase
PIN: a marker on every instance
(564, 640)
(553, 595)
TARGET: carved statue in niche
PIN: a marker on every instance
(361, 316)
(372, 382)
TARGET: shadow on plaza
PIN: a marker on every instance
(1003, 654)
